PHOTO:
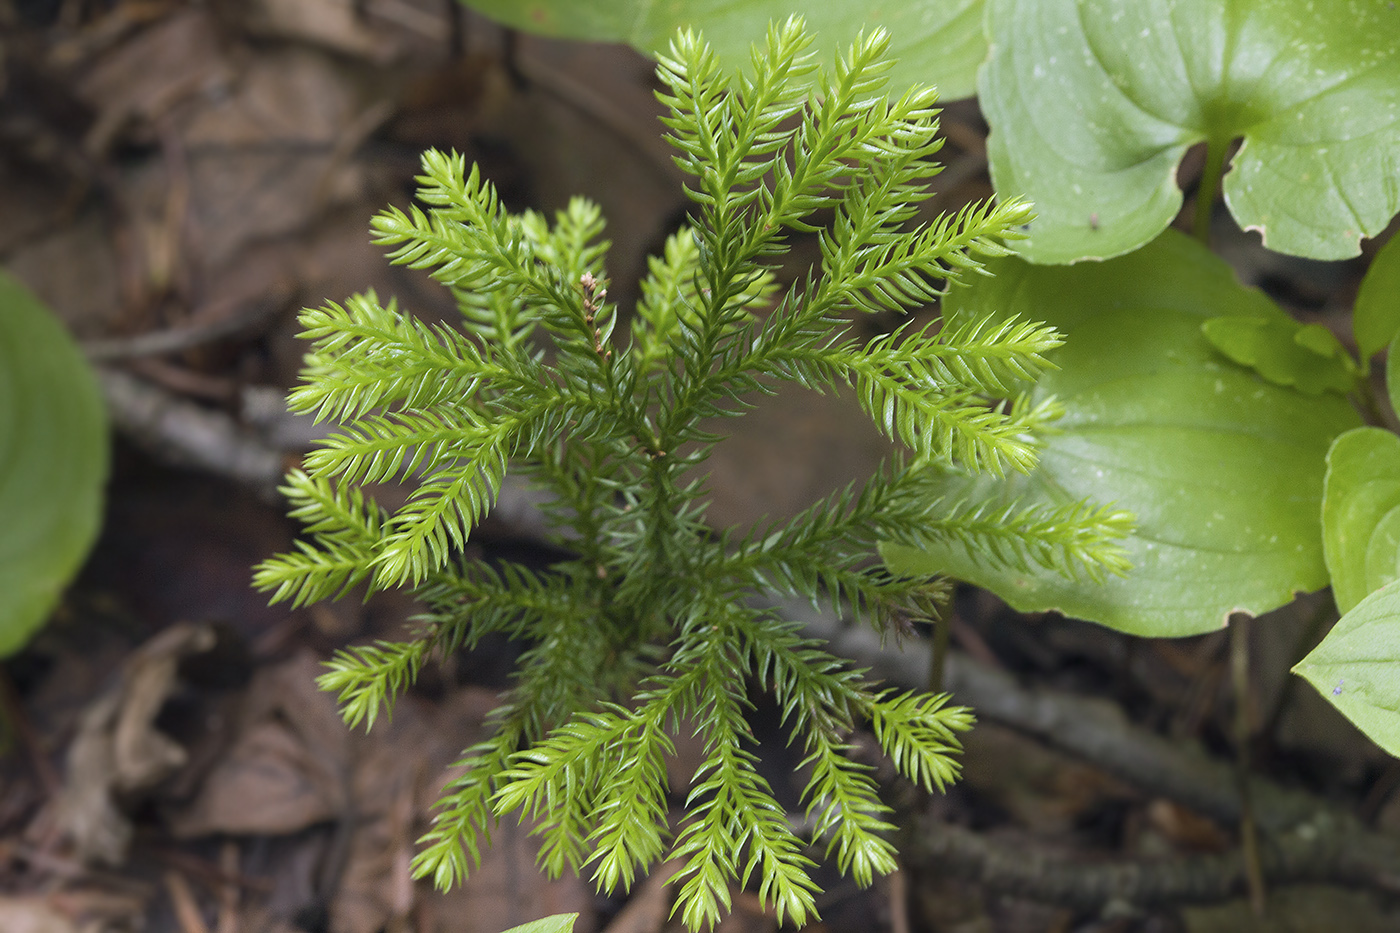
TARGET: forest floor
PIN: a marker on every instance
(177, 179)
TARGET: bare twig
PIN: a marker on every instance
(1301, 836)
(1094, 729)
(1244, 740)
(245, 318)
(1308, 854)
(186, 906)
(181, 433)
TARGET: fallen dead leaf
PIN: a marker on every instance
(263, 161)
(32, 915)
(340, 25)
(287, 766)
(507, 890)
(155, 71)
(98, 910)
(87, 303)
(118, 752)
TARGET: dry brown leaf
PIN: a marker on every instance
(32, 915)
(334, 24)
(144, 78)
(287, 766)
(87, 303)
(507, 890)
(118, 752)
(793, 448)
(97, 910)
(1186, 829)
(263, 162)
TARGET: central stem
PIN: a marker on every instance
(1209, 186)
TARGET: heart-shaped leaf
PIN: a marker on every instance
(1092, 104)
(1222, 468)
(938, 42)
(1306, 356)
(1361, 514)
(1376, 316)
(1357, 666)
(556, 923)
(53, 462)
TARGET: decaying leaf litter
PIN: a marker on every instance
(177, 180)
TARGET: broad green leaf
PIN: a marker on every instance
(1392, 378)
(938, 42)
(1306, 356)
(556, 923)
(1357, 666)
(53, 462)
(1222, 468)
(1092, 104)
(1376, 316)
(1361, 514)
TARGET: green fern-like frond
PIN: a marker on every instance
(992, 358)
(646, 621)
(1075, 539)
(476, 599)
(736, 828)
(345, 529)
(461, 828)
(919, 733)
(376, 448)
(440, 513)
(368, 355)
(369, 677)
(845, 801)
(948, 428)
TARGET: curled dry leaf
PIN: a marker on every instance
(118, 752)
(33, 915)
(286, 767)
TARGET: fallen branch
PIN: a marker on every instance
(1093, 729)
(1307, 854)
(1302, 836)
(226, 319)
(181, 433)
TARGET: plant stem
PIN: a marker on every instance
(938, 658)
(1206, 191)
(1249, 833)
(1311, 633)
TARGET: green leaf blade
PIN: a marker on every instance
(1222, 469)
(1376, 316)
(936, 41)
(1093, 103)
(1356, 668)
(53, 462)
(1361, 514)
(556, 923)
(1307, 357)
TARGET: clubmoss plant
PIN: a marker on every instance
(652, 621)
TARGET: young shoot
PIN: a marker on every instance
(652, 624)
